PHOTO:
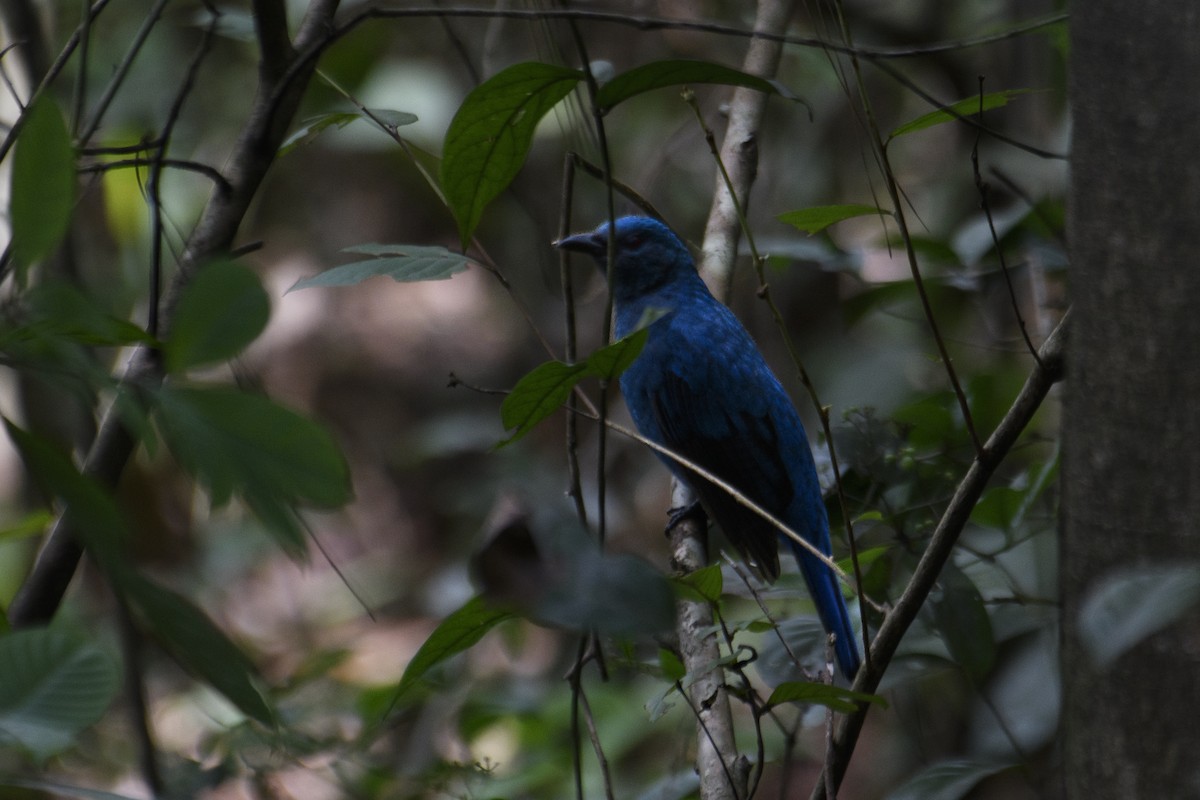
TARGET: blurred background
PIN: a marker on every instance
(373, 363)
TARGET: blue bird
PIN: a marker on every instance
(701, 388)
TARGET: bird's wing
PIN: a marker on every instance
(717, 413)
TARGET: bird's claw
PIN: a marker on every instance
(692, 511)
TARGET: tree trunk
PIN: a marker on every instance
(1131, 476)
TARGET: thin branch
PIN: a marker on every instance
(156, 170)
(212, 173)
(59, 63)
(1048, 371)
(984, 193)
(118, 78)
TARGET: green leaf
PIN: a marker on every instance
(538, 395)
(672, 668)
(457, 632)
(818, 218)
(963, 622)
(489, 137)
(947, 780)
(197, 644)
(611, 360)
(963, 108)
(836, 697)
(400, 262)
(222, 310)
(32, 524)
(43, 184)
(54, 686)
(1124, 607)
(245, 443)
(63, 310)
(85, 500)
(660, 74)
(707, 582)
(314, 127)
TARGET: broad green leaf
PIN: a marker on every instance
(221, 311)
(198, 645)
(835, 697)
(85, 500)
(538, 395)
(54, 686)
(1126, 606)
(611, 360)
(963, 622)
(489, 137)
(963, 108)
(707, 582)
(947, 780)
(660, 74)
(400, 262)
(456, 633)
(245, 443)
(43, 184)
(818, 218)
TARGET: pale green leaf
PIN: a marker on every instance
(54, 686)
(400, 262)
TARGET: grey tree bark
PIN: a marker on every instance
(1131, 475)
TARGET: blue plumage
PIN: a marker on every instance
(701, 388)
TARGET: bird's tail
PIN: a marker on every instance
(831, 608)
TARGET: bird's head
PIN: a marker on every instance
(648, 254)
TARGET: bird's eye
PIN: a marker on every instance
(635, 239)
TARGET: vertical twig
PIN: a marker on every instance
(983, 188)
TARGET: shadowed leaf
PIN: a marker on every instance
(43, 184)
(198, 645)
(223, 309)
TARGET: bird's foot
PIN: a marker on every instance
(692, 511)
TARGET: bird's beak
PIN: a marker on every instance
(593, 244)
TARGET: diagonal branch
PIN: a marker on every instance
(1048, 371)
